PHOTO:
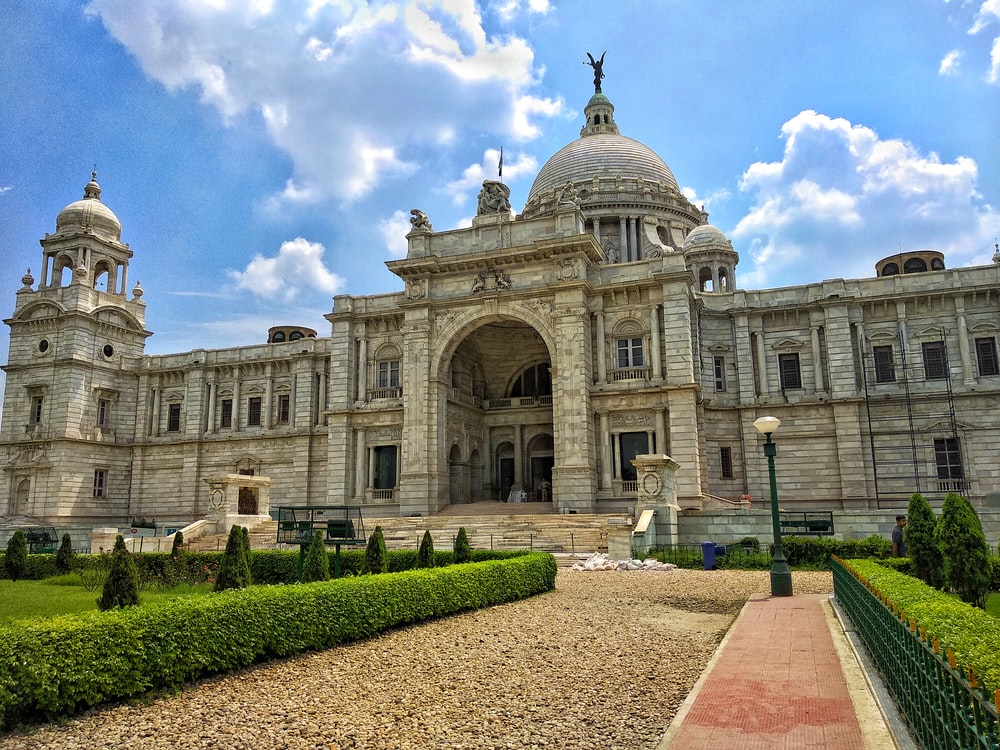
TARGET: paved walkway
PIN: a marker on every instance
(784, 678)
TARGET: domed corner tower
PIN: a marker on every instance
(629, 198)
(70, 397)
(710, 256)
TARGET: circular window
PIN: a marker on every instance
(109, 351)
(43, 346)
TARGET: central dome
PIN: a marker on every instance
(601, 155)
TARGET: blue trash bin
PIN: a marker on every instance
(708, 555)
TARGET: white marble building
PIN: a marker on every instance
(602, 322)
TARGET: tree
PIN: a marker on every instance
(121, 588)
(317, 562)
(964, 550)
(921, 546)
(425, 556)
(376, 555)
(463, 553)
(16, 559)
(175, 548)
(234, 570)
(64, 555)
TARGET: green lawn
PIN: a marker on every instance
(993, 604)
(66, 595)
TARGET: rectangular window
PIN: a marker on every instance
(36, 410)
(948, 458)
(885, 365)
(226, 417)
(283, 404)
(103, 412)
(935, 363)
(385, 467)
(253, 411)
(100, 483)
(174, 418)
(986, 356)
(726, 458)
(630, 353)
(720, 373)
(788, 371)
(388, 374)
(630, 445)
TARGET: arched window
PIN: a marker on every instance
(535, 380)
(103, 280)
(890, 269)
(278, 337)
(915, 265)
(387, 371)
(937, 264)
(295, 335)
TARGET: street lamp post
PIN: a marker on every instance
(781, 575)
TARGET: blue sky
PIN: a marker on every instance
(264, 155)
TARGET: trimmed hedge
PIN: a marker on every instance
(970, 632)
(55, 667)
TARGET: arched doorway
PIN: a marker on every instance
(541, 459)
(504, 470)
(21, 498)
(455, 472)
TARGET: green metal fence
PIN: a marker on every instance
(945, 710)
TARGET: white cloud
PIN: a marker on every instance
(949, 63)
(394, 231)
(510, 9)
(708, 201)
(514, 166)
(297, 267)
(356, 93)
(987, 16)
(994, 75)
(841, 198)
(5, 189)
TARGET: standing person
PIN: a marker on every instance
(898, 544)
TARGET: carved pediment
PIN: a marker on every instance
(788, 345)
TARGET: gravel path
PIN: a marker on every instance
(603, 662)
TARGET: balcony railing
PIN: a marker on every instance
(383, 494)
(952, 485)
(519, 402)
(631, 373)
(384, 393)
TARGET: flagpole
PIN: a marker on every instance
(500, 165)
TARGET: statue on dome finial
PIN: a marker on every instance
(598, 66)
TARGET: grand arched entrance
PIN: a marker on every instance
(499, 408)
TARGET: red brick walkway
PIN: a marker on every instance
(776, 684)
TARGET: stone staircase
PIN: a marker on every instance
(493, 527)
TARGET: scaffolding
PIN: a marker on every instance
(912, 431)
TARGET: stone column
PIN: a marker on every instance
(213, 389)
(817, 357)
(661, 432)
(743, 359)
(606, 452)
(155, 430)
(654, 322)
(518, 460)
(363, 369)
(236, 399)
(360, 465)
(623, 239)
(762, 389)
(321, 398)
(266, 422)
(597, 230)
(968, 376)
(602, 348)
(634, 237)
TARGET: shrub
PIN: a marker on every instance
(64, 557)
(920, 544)
(16, 559)
(964, 550)
(121, 588)
(462, 552)
(425, 555)
(376, 555)
(175, 548)
(166, 645)
(234, 570)
(317, 562)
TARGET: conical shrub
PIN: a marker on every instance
(463, 553)
(921, 547)
(64, 555)
(245, 540)
(376, 555)
(121, 587)
(16, 559)
(317, 563)
(178, 544)
(963, 546)
(234, 571)
(425, 555)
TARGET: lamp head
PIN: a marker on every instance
(766, 425)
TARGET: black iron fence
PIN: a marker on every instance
(944, 708)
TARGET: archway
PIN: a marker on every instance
(541, 459)
(21, 498)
